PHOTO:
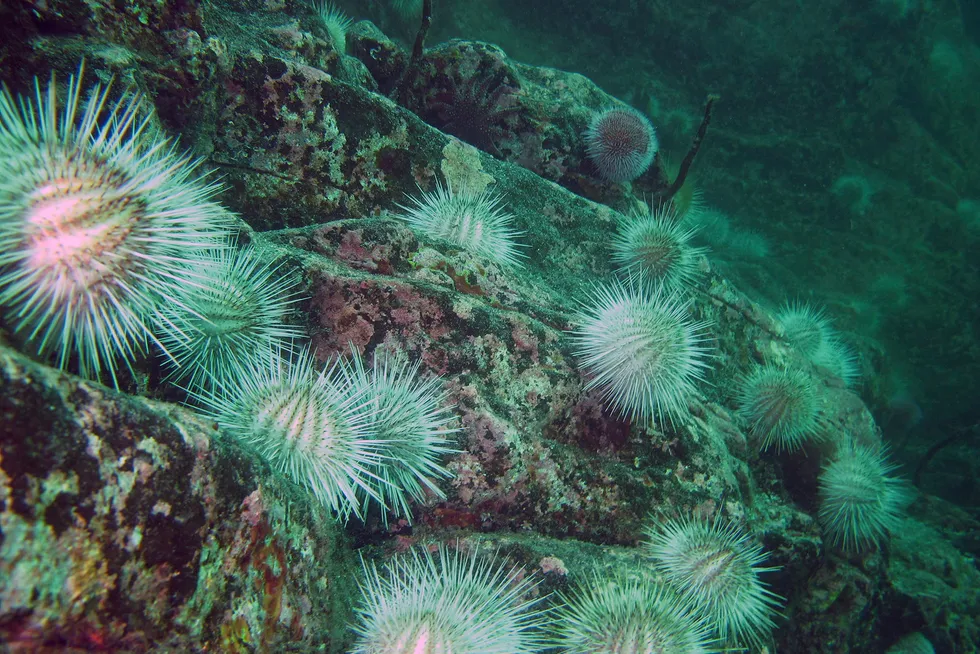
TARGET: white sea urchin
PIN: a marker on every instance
(653, 244)
(860, 501)
(334, 21)
(781, 406)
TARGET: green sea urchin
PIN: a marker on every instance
(453, 602)
(641, 349)
(298, 418)
(715, 567)
(781, 406)
(810, 330)
(806, 327)
(221, 322)
(839, 358)
(860, 502)
(334, 21)
(627, 616)
(654, 245)
(472, 220)
(410, 415)
(98, 218)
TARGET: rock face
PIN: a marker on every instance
(127, 526)
(132, 524)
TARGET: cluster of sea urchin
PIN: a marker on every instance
(351, 436)
(107, 240)
(710, 597)
(636, 338)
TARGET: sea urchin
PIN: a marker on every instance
(641, 349)
(98, 217)
(220, 323)
(860, 502)
(621, 143)
(715, 567)
(453, 602)
(781, 406)
(470, 219)
(653, 244)
(299, 418)
(620, 615)
(410, 417)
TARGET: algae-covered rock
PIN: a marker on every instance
(128, 525)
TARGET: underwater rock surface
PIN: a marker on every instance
(125, 525)
(130, 523)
